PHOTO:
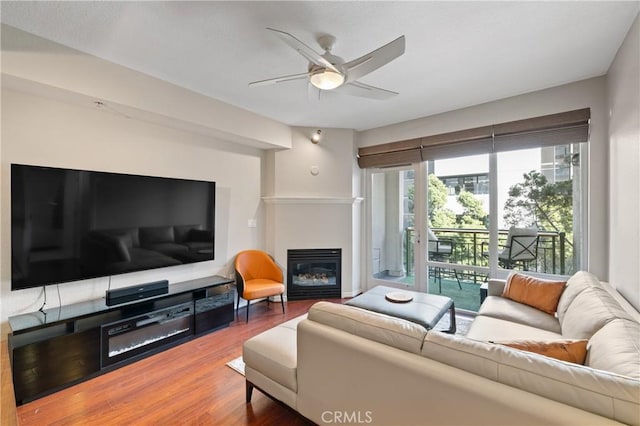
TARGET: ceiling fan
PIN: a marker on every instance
(329, 72)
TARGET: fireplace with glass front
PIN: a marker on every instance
(314, 274)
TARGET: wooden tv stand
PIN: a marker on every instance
(62, 346)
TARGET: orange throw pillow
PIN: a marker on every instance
(565, 350)
(536, 292)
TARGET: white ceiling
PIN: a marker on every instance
(458, 54)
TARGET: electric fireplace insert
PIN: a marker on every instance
(314, 273)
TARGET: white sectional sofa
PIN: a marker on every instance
(341, 364)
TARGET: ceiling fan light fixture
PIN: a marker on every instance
(326, 79)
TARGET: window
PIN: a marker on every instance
(540, 188)
(475, 184)
(478, 203)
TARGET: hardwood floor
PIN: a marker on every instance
(188, 384)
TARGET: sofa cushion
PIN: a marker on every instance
(181, 232)
(583, 387)
(142, 259)
(532, 291)
(123, 244)
(578, 282)
(616, 348)
(590, 310)
(494, 329)
(462, 352)
(574, 351)
(495, 287)
(170, 249)
(200, 235)
(381, 328)
(274, 353)
(133, 234)
(507, 309)
(197, 246)
(156, 234)
(117, 244)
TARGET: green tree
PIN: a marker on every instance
(439, 216)
(473, 215)
(536, 202)
(549, 206)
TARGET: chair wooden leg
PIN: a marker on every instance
(248, 310)
(282, 301)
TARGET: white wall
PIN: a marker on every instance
(587, 93)
(332, 156)
(55, 67)
(43, 131)
(314, 200)
(623, 87)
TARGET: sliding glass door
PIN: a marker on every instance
(392, 218)
(478, 203)
(445, 225)
(457, 226)
(493, 213)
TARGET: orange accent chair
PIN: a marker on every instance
(257, 277)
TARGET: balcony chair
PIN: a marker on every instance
(257, 277)
(520, 248)
(440, 250)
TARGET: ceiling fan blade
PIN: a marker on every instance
(374, 60)
(356, 88)
(279, 79)
(310, 54)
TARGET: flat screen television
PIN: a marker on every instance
(70, 225)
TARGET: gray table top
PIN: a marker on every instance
(425, 309)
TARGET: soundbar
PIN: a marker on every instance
(136, 292)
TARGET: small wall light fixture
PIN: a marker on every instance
(315, 137)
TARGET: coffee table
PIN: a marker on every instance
(424, 309)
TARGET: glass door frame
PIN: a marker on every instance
(420, 246)
(419, 250)
(493, 269)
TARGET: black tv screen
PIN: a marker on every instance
(69, 225)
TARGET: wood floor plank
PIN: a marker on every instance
(188, 384)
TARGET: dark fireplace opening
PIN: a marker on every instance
(314, 274)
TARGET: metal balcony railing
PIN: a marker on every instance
(470, 246)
